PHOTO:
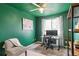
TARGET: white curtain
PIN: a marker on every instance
(46, 25)
(54, 24)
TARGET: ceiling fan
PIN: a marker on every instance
(40, 7)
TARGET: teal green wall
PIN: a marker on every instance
(11, 25)
(38, 28)
(65, 25)
(76, 36)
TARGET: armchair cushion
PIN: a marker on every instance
(15, 51)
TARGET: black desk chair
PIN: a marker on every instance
(47, 42)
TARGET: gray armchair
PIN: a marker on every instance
(14, 48)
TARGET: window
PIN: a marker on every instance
(48, 25)
(52, 24)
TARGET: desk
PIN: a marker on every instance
(53, 40)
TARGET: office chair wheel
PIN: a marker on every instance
(52, 48)
(42, 44)
(25, 53)
(46, 48)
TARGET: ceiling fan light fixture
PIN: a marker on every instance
(41, 10)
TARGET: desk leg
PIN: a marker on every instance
(58, 48)
(58, 44)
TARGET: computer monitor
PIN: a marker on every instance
(51, 32)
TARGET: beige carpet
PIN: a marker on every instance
(50, 52)
(36, 47)
(33, 53)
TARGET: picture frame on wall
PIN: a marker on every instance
(27, 24)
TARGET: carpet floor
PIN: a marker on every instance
(49, 52)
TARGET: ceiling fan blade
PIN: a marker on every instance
(36, 5)
(34, 10)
